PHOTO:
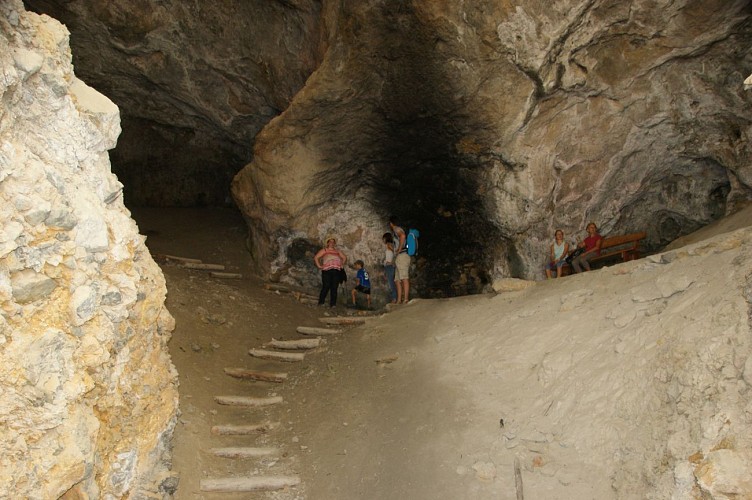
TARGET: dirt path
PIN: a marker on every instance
(217, 322)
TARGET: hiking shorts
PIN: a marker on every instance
(362, 289)
(403, 266)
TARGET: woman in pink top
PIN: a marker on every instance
(592, 246)
(331, 262)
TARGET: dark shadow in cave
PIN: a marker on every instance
(423, 179)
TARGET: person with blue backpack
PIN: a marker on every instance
(402, 262)
(389, 268)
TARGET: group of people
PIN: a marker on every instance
(586, 250)
(331, 261)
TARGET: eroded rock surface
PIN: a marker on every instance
(487, 125)
(87, 391)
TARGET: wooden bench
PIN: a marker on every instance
(624, 248)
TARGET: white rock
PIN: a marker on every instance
(28, 61)
(511, 285)
(485, 471)
(725, 473)
(83, 304)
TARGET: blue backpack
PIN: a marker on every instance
(411, 241)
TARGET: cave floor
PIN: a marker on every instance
(331, 432)
(439, 399)
(217, 322)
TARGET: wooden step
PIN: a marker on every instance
(229, 276)
(312, 330)
(342, 320)
(246, 401)
(243, 484)
(243, 430)
(294, 344)
(287, 357)
(175, 258)
(277, 288)
(301, 296)
(234, 452)
(208, 267)
(277, 377)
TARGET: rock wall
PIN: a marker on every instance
(88, 393)
(490, 124)
(194, 81)
(485, 124)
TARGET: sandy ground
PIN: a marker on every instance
(564, 386)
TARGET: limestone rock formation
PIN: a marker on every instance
(194, 81)
(88, 393)
(490, 124)
(485, 124)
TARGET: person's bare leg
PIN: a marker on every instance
(558, 271)
(406, 286)
(398, 285)
(548, 273)
(353, 296)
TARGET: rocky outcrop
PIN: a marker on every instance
(88, 394)
(489, 125)
(194, 81)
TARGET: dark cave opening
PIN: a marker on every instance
(441, 200)
(171, 166)
(424, 179)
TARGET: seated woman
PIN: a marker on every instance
(592, 246)
(558, 254)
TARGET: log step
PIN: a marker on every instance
(243, 452)
(288, 357)
(305, 296)
(181, 259)
(277, 288)
(277, 377)
(312, 330)
(208, 267)
(245, 401)
(231, 276)
(294, 344)
(243, 430)
(243, 484)
(341, 320)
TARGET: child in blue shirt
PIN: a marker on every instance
(362, 283)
